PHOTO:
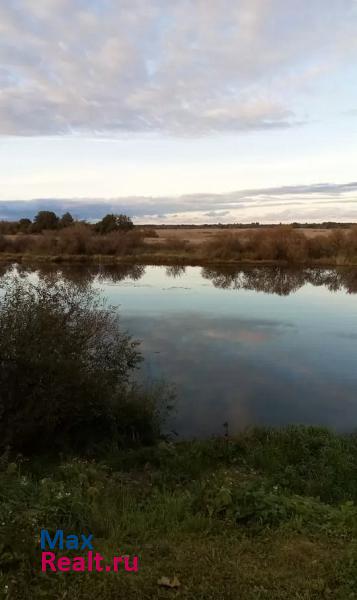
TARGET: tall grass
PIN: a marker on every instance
(284, 244)
(276, 506)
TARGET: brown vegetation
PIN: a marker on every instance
(285, 244)
(282, 243)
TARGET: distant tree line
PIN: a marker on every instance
(47, 220)
(253, 225)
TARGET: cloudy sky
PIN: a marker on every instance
(179, 110)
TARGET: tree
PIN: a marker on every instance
(124, 222)
(64, 367)
(112, 222)
(66, 220)
(45, 219)
(25, 225)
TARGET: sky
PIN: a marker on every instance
(195, 111)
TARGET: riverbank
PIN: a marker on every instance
(158, 259)
(280, 245)
(269, 514)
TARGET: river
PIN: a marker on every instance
(241, 347)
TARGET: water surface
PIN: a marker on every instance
(259, 346)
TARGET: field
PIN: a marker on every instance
(204, 234)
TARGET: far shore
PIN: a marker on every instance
(83, 243)
(161, 259)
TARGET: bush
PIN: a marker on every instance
(281, 243)
(352, 242)
(3, 243)
(224, 246)
(21, 243)
(319, 247)
(65, 369)
(119, 243)
(75, 239)
(111, 223)
(306, 460)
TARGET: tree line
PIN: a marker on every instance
(47, 220)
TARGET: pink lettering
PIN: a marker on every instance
(134, 567)
(48, 558)
(64, 563)
(79, 564)
(116, 560)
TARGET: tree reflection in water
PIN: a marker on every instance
(279, 280)
(282, 280)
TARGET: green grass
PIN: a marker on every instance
(269, 515)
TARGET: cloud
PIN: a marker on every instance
(319, 202)
(111, 67)
(217, 213)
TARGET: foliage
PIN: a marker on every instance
(45, 219)
(307, 460)
(25, 225)
(65, 365)
(115, 235)
(283, 243)
(66, 220)
(111, 223)
(199, 510)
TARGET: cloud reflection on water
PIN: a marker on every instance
(234, 355)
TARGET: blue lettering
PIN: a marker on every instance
(86, 542)
(46, 539)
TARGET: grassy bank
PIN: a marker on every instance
(161, 259)
(268, 515)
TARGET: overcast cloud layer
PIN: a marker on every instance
(186, 67)
(286, 204)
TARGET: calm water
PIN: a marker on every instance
(265, 346)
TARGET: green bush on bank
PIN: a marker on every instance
(66, 372)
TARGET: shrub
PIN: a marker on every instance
(64, 367)
(280, 243)
(319, 247)
(75, 239)
(112, 222)
(21, 243)
(3, 243)
(306, 460)
(224, 245)
(351, 242)
(44, 243)
(116, 243)
(24, 225)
